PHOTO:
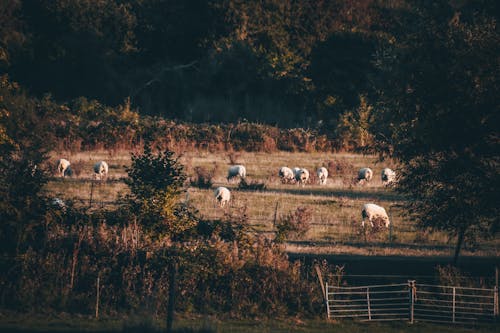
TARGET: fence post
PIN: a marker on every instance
(390, 229)
(453, 307)
(326, 300)
(91, 192)
(496, 295)
(495, 302)
(98, 292)
(368, 301)
(320, 278)
(411, 296)
(275, 214)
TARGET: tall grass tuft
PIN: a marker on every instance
(203, 177)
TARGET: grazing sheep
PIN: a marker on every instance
(322, 175)
(236, 171)
(302, 176)
(365, 174)
(101, 170)
(63, 168)
(373, 212)
(388, 176)
(222, 196)
(286, 174)
(58, 203)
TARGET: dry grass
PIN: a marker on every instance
(336, 207)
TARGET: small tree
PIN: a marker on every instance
(156, 184)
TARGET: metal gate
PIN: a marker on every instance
(412, 302)
(375, 303)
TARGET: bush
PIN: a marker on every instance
(203, 178)
(156, 183)
(252, 186)
(294, 224)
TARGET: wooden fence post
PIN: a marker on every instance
(275, 214)
(320, 278)
(390, 229)
(91, 192)
(411, 295)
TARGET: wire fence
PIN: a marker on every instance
(412, 302)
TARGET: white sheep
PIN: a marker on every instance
(101, 170)
(302, 176)
(222, 196)
(236, 171)
(286, 174)
(58, 203)
(365, 174)
(322, 175)
(388, 176)
(64, 168)
(373, 212)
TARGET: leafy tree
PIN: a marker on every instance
(341, 68)
(23, 150)
(353, 128)
(156, 183)
(439, 117)
(12, 37)
(75, 47)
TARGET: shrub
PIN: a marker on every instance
(156, 183)
(252, 186)
(294, 224)
(203, 177)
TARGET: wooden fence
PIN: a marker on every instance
(413, 302)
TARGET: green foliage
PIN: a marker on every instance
(439, 117)
(12, 37)
(156, 182)
(201, 61)
(341, 68)
(23, 148)
(353, 128)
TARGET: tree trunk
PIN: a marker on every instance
(460, 240)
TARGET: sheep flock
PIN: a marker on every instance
(296, 175)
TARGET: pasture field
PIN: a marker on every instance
(335, 208)
(213, 325)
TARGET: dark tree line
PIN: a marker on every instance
(201, 60)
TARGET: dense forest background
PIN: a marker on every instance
(285, 63)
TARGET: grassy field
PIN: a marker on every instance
(30, 324)
(335, 207)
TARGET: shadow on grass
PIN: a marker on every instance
(361, 244)
(348, 193)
